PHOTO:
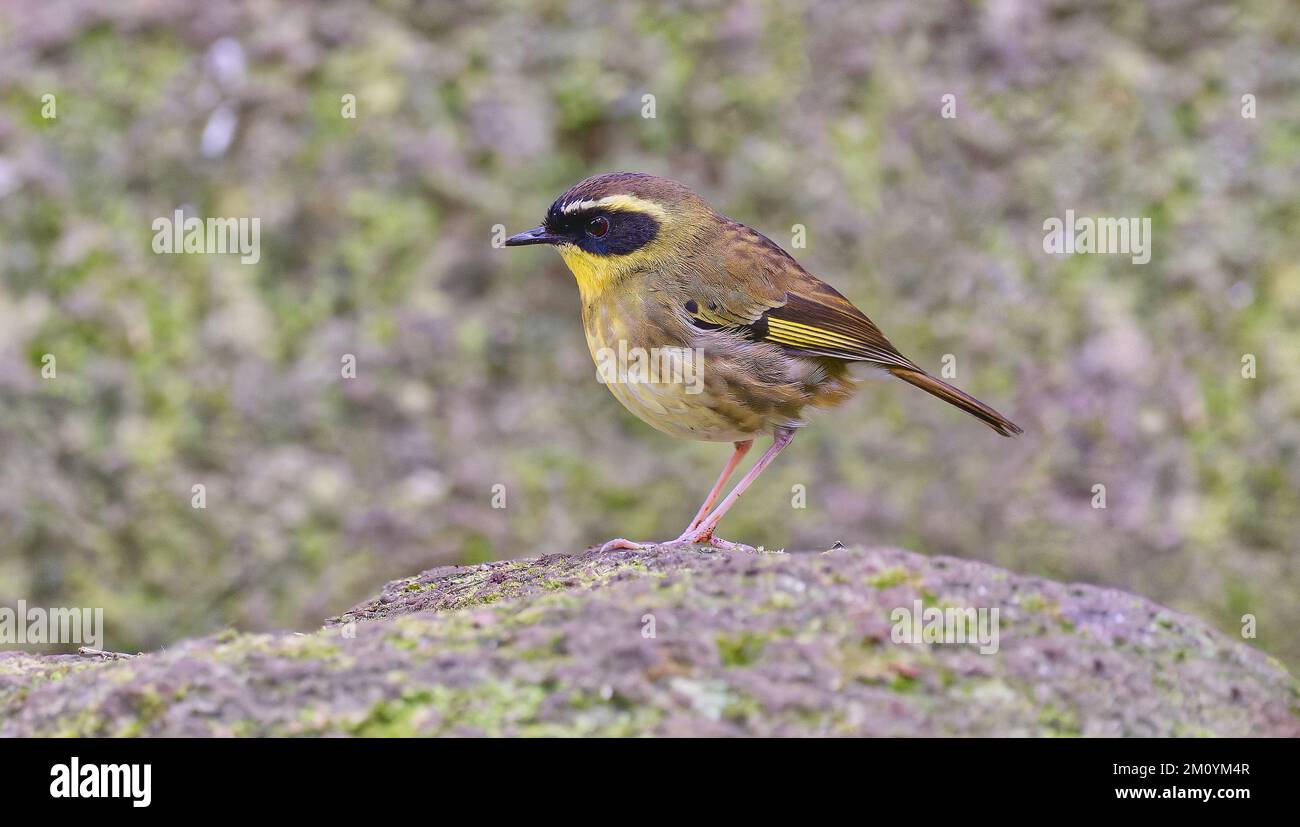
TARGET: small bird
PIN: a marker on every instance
(751, 337)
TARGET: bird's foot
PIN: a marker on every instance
(727, 545)
(620, 543)
(695, 536)
(689, 538)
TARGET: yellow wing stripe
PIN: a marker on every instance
(789, 333)
(800, 335)
(787, 337)
(812, 335)
(800, 327)
(792, 339)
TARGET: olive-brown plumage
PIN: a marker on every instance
(659, 272)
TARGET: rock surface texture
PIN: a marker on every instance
(682, 642)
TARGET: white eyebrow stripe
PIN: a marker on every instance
(577, 206)
(619, 202)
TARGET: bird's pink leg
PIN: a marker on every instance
(703, 533)
(742, 448)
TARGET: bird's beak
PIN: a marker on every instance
(537, 235)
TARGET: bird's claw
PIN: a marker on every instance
(689, 539)
(621, 543)
(727, 545)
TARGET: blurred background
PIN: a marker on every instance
(471, 366)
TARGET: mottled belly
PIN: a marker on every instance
(675, 411)
(707, 385)
(671, 387)
(668, 390)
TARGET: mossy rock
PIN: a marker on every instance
(682, 642)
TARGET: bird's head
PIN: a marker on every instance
(613, 225)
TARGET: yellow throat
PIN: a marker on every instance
(595, 274)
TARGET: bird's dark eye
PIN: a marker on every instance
(598, 226)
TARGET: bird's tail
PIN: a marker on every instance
(961, 399)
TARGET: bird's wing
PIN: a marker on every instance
(763, 293)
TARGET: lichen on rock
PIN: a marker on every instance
(682, 642)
